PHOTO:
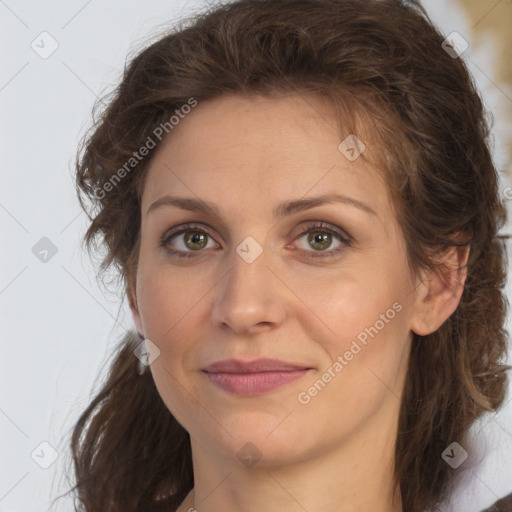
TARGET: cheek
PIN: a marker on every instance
(169, 310)
(355, 306)
(366, 358)
(166, 300)
(364, 333)
(168, 307)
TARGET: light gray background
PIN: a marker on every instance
(58, 326)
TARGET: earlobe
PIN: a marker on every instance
(439, 291)
(137, 320)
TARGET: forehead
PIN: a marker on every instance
(257, 149)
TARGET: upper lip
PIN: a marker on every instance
(255, 366)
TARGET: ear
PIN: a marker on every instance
(134, 308)
(439, 291)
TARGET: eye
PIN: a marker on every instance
(194, 241)
(319, 237)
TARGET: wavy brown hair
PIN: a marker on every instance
(382, 65)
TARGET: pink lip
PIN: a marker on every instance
(253, 377)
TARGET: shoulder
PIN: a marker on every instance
(502, 505)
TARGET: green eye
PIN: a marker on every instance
(320, 237)
(195, 238)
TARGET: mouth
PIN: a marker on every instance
(253, 377)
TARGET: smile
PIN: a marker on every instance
(254, 383)
(255, 377)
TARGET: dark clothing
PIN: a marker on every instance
(502, 505)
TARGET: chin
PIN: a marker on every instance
(257, 441)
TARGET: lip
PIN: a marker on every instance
(253, 377)
(255, 366)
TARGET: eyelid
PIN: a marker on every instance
(183, 228)
(324, 225)
(309, 226)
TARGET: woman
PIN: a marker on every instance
(301, 202)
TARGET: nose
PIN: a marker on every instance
(250, 298)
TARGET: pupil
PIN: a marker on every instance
(196, 238)
(322, 239)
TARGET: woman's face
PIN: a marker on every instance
(263, 282)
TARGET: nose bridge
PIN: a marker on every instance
(248, 272)
(249, 264)
(247, 294)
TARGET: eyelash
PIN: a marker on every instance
(321, 227)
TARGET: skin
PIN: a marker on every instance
(335, 453)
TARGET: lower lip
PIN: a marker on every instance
(254, 383)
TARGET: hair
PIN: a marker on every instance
(382, 65)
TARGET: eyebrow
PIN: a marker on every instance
(280, 211)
